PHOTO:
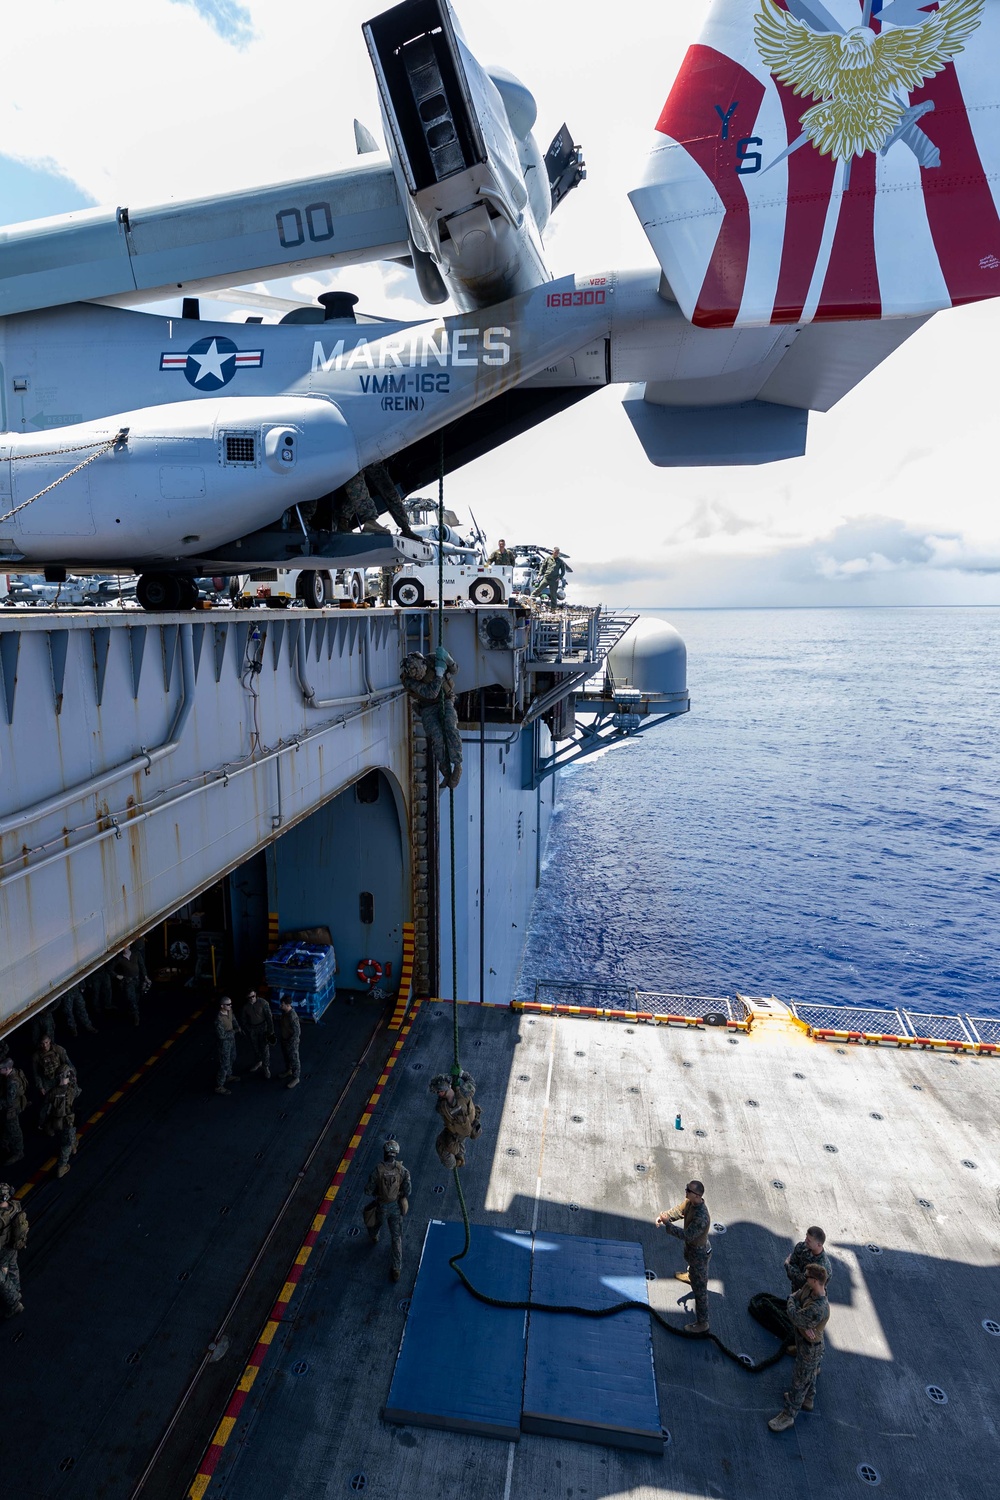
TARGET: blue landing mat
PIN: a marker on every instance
(586, 1378)
(479, 1390)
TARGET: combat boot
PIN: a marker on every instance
(782, 1422)
(684, 1276)
(223, 1091)
(292, 1083)
(286, 1074)
(699, 1327)
(61, 1171)
(809, 1403)
(267, 1072)
(256, 1068)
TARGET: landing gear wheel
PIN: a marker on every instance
(408, 592)
(189, 593)
(311, 589)
(357, 587)
(159, 591)
(486, 591)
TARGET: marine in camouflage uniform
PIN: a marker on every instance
(461, 1115)
(100, 996)
(13, 1237)
(43, 1023)
(501, 557)
(553, 572)
(47, 1061)
(290, 1030)
(433, 697)
(226, 1031)
(258, 1024)
(697, 1222)
(13, 1098)
(75, 1013)
(389, 1186)
(808, 1252)
(59, 1120)
(130, 969)
(357, 508)
(809, 1312)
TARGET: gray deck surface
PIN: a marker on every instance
(572, 1109)
(134, 1258)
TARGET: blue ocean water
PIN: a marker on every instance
(822, 826)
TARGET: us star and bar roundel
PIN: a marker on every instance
(830, 159)
(212, 362)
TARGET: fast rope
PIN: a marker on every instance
(456, 1068)
(105, 447)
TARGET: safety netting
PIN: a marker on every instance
(938, 1028)
(865, 1018)
(625, 998)
(985, 1029)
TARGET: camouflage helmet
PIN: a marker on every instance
(414, 665)
(440, 1083)
(390, 1150)
(6, 1191)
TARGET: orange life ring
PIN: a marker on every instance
(370, 971)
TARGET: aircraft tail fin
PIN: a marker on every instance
(823, 161)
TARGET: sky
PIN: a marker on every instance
(140, 101)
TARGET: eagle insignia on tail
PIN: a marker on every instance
(862, 79)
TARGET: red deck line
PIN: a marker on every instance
(45, 1170)
(279, 1311)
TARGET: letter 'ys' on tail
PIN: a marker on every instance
(830, 159)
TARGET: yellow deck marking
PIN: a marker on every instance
(223, 1431)
(270, 1329)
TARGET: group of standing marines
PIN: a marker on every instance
(808, 1310)
(257, 1023)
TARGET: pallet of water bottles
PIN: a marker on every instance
(309, 1006)
(306, 974)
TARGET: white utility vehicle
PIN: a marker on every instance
(277, 588)
(464, 583)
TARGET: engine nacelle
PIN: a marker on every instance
(167, 482)
(460, 145)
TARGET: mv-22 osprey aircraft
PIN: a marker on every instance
(824, 177)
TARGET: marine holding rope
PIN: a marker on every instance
(430, 682)
(809, 1311)
(697, 1250)
(461, 1116)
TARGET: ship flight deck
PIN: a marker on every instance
(887, 1152)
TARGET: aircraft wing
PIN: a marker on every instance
(345, 218)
